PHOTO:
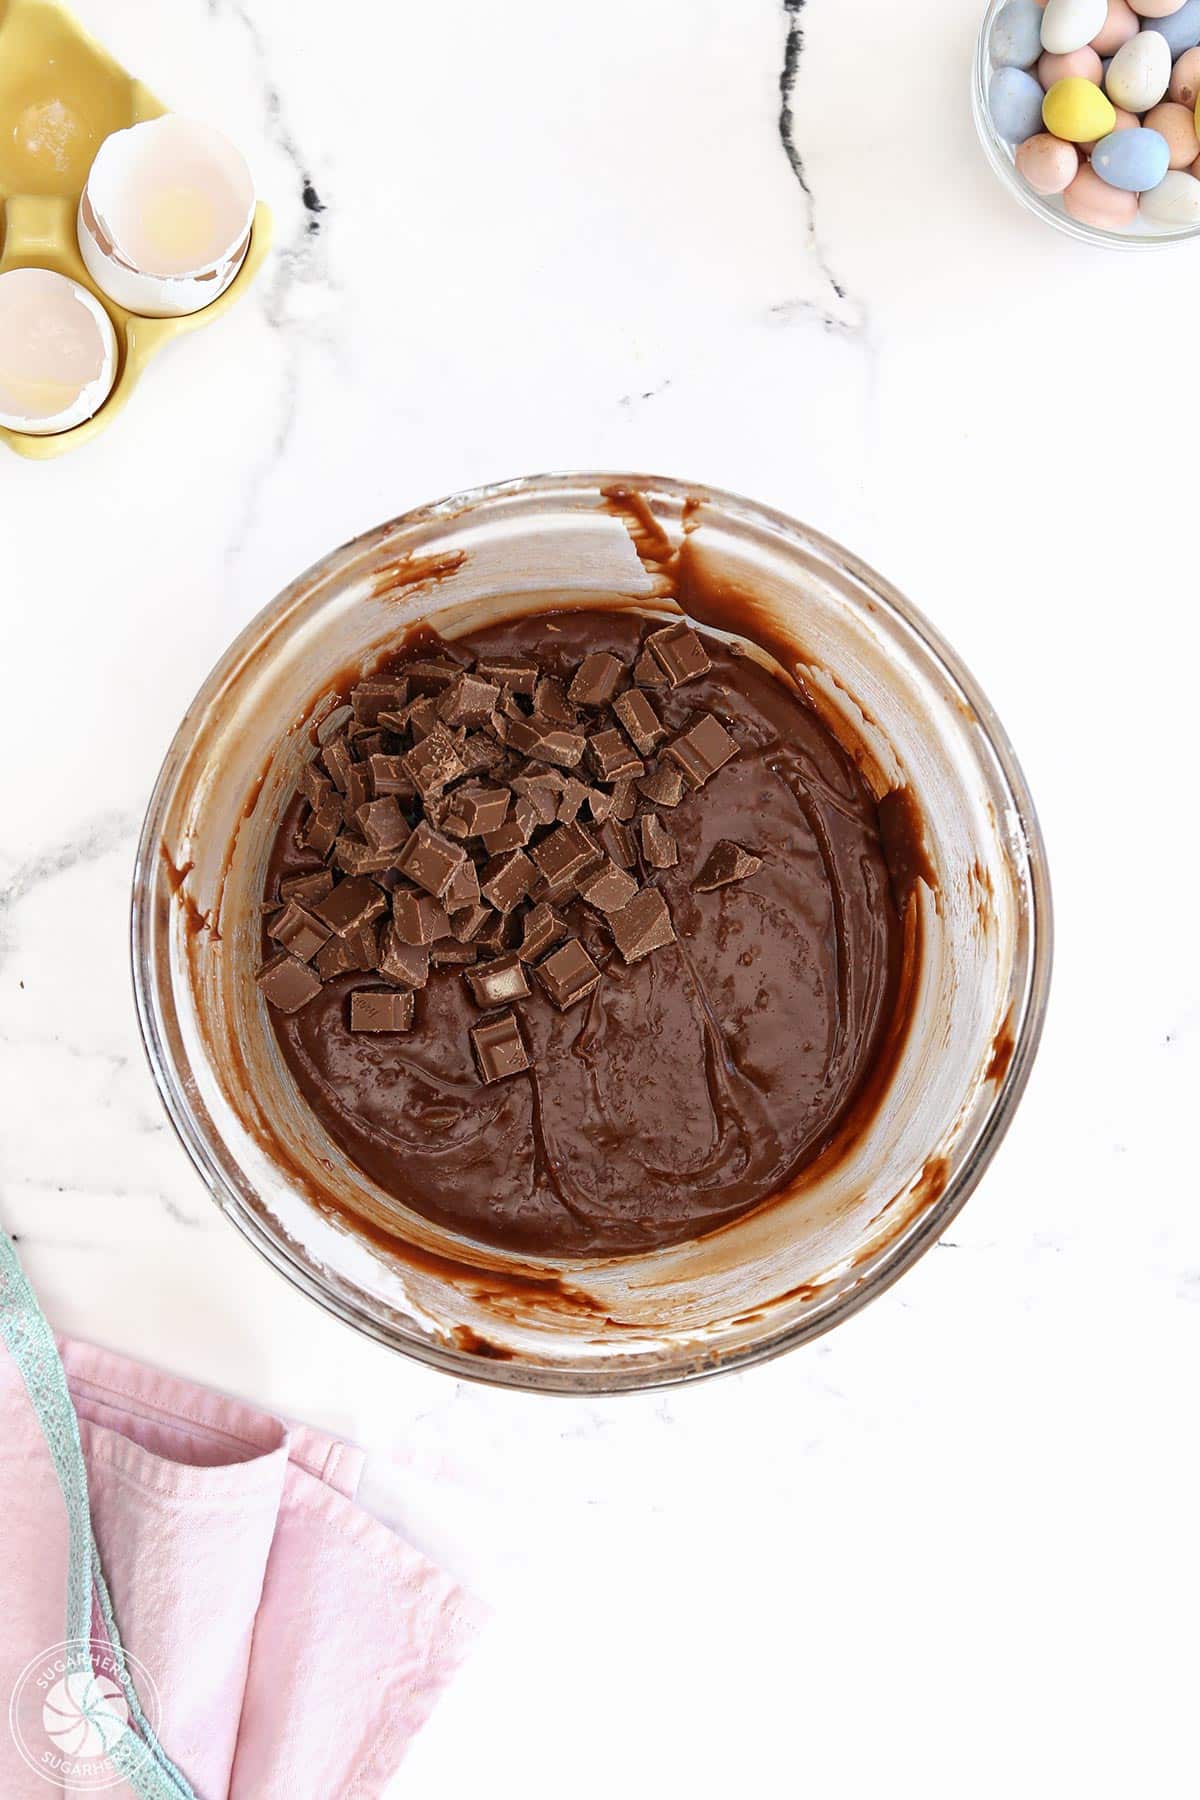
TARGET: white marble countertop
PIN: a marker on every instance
(945, 1550)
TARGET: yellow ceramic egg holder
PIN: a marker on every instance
(61, 95)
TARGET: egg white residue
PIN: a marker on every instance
(58, 352)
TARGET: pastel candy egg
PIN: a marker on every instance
(1125, 122)
(1185, 79)
(1175, 201)
(1083, 62)
(1157, 9)
(1139, 72)
(1120, 25)
(1070, 24)
(1177, 124)
(1093, 202)
(1195, 169)
(1133, 160)
(1047, 164)
(1016, 40)
(1015, 103)
(1181, 29)
(1077, 110)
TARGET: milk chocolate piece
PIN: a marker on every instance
(664, 787)
(470, 921)
(616, 840)
(431, 674)
(356, 858)
(565, 854)
(568, 974)
(507, 879)
(642, 926)
(434, 764)
(430, 859)
(499, 1047)
(315, 785)
(600, 804)
(383, 824)
(624, 804)
(449, 953)
(573, 795)
(358, 790)
(479, 754)
(658, 846)
(680, 654)
(298, 931)
(497, 983)
(724, 863)
(337, 958)
(482, 809)
(550, 702)
(389, 776)
(642, 724)
(287, 983)
(612, 758)
(381, 1009)
(419, 918)
(306, 888)
(608, 888)
(405, 964)
(501, 932)
(509, 672)
(338, 760)
(468, 700)
(702, 749)
(516, 832)
(320, 833)
(363, 945)
(463, 890)
(543, 927)
(351, 903)
(595, 680)
(648, 671)
(547, 743)
(544, 792)
(370, 698)
(369, 743)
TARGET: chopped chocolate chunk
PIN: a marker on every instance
(547, 743)
(298, 931)
(287, 983)
(389, 776)
(419, 918)
(562, 857)
(480, 754)
(496, 726)
(381, 1009)
(648, 671)
(358, 789)
(430, 859)
(642, 724)
(608, 888)
(543, 927)
(315, 786)
(405, 964)
(337, 958)
(516, 832)
(356, 858)
(510, 707)
(573, 795)
(383, 824)
(499, 1047)
(431, 675)
(543, 791)
(449, 953)
(642, 926)
(658, 846)
(502, 932)
(370, 743)
(616, 840)
(497, 983)
(595, 680)
(469, 922)
(610, 755)
(320, 833)
(507, 880)
(468, 700)
(600, 804)
(306, 888)
(394, 724)
(724, 863)
(680, 653)
(351, 903)
(482, 809)
(624, 804)
(550, 702)
(464, 888)
(421, 717)
(568, 974)
(702, 749)
(337, 759)
(363, 945)
(434, 763)
(370, 698)
(664, 787)
(509, 672)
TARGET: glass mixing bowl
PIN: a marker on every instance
(849, 1225)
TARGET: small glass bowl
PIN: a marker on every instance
(1049, 207)
(803, 1261)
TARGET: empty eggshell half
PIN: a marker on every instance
(165, 218)
(58, 352)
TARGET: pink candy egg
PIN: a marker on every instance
(1093, 202)
(1083, 62)
(1121, 24)
(1047, 163)
(1185, 79)
(1178, 125)
(1157, 9)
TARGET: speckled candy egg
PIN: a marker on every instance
(1133, 160)
(1084, 63)
(1016, 41)
(1175, 201)
(1078, 111)
(1181, 29)
(1157, 9)
(1015, 103)
(1047, 164)
(1120, 25)
(1185, 79)
(1177, 124)
(1093, 202)
(1070, 24)
(1139, 72)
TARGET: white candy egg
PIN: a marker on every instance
(1175, 201)
(1139, 73)
(164, 220)
(58, 352)
(1070, 24)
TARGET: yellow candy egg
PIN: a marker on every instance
(1078, 111)
(1126, 121)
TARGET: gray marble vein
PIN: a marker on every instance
(846, 314)
(106, 833)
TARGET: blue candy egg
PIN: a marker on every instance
(1016, 41)
(1181, 29)
(1135, 160)
(1015, 103)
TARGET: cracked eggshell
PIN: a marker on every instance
(165, 217)
(58, 352)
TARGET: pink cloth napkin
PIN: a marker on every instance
(296, 1644)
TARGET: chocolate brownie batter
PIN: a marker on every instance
(688, 1085)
